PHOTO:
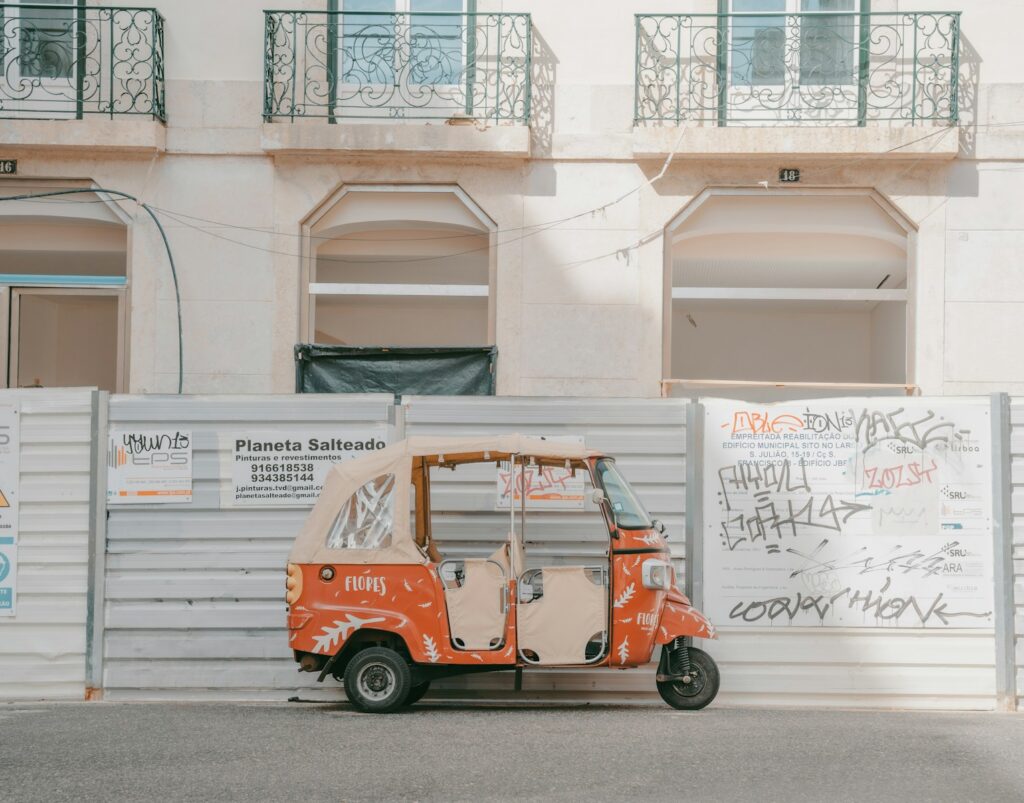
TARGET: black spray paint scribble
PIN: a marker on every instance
(821, 423)
(900, 560)
(875, 427)
(786, 518)
(746, 477)
(873, 603)
(137, 443)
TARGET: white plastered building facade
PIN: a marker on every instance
(561, 238)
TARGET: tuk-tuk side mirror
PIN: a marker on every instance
(597, 496)
(659, 526)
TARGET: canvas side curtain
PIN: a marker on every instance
(455, 371)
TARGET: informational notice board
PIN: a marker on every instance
(286, 467)
(857, 512)
(10, 467)
(149, 466)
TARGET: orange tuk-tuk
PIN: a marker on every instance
(373, 603)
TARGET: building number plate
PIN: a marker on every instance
(788, 175)
(8, 167)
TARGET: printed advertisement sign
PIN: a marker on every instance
(286, 467)
(149, 466)
(848, 512)
(547, 487)
(10, 467)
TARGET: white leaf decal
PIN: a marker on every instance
(425, 604)
(651, 539)
(624, 650)
(628, 593)
(407, 586)
(626, 621)
(341, 630)
(431, 648)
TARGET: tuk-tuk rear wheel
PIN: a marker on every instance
(378, 680)
(700, 688)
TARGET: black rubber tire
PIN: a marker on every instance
(378, 666)
(701, 692)
(416, 692)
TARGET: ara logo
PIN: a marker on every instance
(5, 566)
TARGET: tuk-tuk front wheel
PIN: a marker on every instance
(697, 687)
(378, 680)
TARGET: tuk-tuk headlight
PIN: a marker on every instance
(657, 575)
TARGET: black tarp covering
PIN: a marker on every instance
(454, 371)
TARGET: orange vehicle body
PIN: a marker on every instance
(335, 605)
(409, 602)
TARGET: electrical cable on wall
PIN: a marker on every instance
(163, 236)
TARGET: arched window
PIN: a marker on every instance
(62, 289)
(400, 266)
(787, 287)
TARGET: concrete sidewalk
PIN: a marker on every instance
(306, 752)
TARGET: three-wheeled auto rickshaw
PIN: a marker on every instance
(372, 602)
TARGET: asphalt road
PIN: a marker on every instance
(311, 752)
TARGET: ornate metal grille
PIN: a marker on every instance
(411, 65)
(793, 69)
(68, 60)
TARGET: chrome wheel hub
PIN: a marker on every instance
(375, 681)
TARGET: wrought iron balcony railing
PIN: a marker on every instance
(823, 68)
(415, 65)
(63, 60)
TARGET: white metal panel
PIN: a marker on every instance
(648, 439)
(42, 648)
(195, 592)
(856, 667)
(1017, 480)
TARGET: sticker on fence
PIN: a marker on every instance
(547, 487)
(287, 468)
(848, 512)
(149, 466)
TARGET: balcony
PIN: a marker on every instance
(880, 75)
(387, 76)
(92, 66)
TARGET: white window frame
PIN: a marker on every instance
(12, 19)
(12, 314)
(399, 57)
(790, 86)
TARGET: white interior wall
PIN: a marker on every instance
(37, 343)
(769, 341)
(68, 341)
(393, 321)
(889, 343)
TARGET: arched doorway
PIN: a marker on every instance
(63, 273)
(805, 289)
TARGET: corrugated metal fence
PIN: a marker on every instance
(190, 596)
(42, 648)
(195, 593)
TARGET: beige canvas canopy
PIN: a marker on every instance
(351, 488)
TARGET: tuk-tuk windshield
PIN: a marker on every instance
(628, 512)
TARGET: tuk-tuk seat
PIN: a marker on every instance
(477, 609)
(557, 627)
